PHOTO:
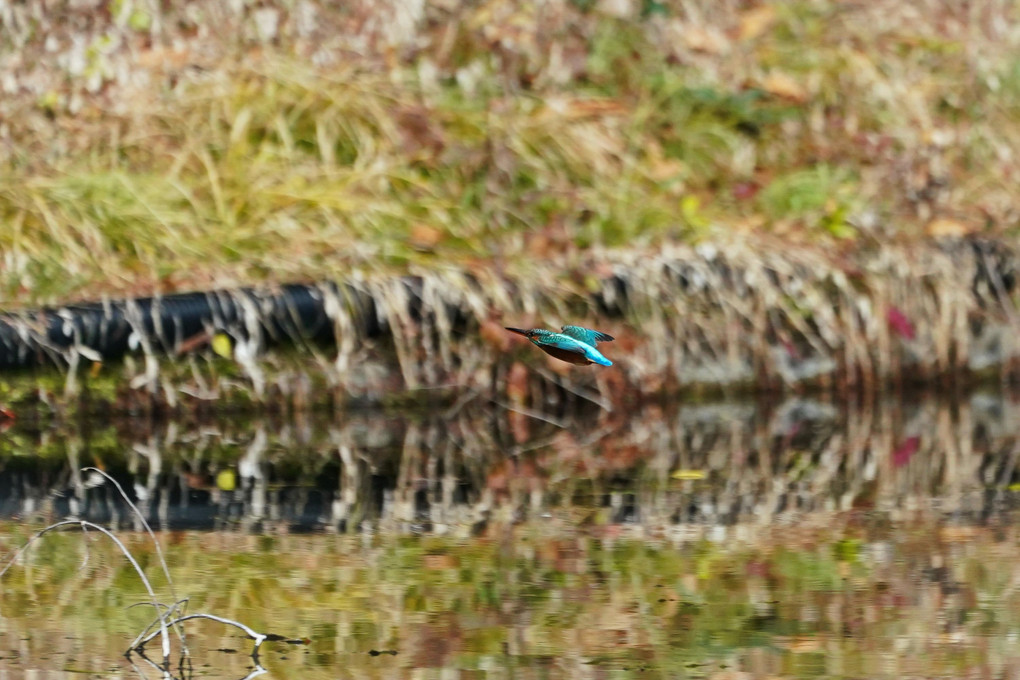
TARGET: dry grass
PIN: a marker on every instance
(214, 146)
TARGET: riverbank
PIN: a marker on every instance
(775, 198)
(154, 150)
(736, 317)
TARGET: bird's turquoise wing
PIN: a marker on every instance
(566, 343)
(586, 335)
(561, 341)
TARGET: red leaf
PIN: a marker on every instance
(899, 322)
(744, 191)
(790, 348)
(905, 451)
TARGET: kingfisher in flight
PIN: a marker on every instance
(572, 344)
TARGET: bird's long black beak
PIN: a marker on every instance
(518, 331)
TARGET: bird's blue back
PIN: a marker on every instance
(586, 335)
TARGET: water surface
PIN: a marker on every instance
(736, 539)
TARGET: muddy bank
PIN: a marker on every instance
(717, 317)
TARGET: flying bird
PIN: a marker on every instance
(572, 344)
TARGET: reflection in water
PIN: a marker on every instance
(681, 469)
(712, 540)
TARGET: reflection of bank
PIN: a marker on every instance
(696, 466)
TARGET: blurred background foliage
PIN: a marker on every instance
(161, 147)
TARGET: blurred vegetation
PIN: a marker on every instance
(540, 599)
(213, 144)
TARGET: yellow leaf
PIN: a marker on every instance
(226, 480)
(222, 345)
(688, 474)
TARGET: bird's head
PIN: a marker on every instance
(529, 334)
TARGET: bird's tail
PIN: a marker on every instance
(596, 356)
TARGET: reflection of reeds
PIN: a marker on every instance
(769, 600)
(693, 467)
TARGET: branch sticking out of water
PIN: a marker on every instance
(170, 611)
(148, 529)
(259, 638)
(165, 638)
(164, 613)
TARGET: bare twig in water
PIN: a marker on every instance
(259, 638)
(145, 523)
(165, 638)
(164, 613)
(152, 535)
(171, 610)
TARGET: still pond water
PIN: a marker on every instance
(716, 540)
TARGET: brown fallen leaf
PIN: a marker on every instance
(709, 41)
(958, 534)
(424, 237)
(785, 86)
(164, 58)
(419, 131)
(756, 21)
(946, 226)
(662, 169)
(438, 562)
(578, 109)
(800, 644)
